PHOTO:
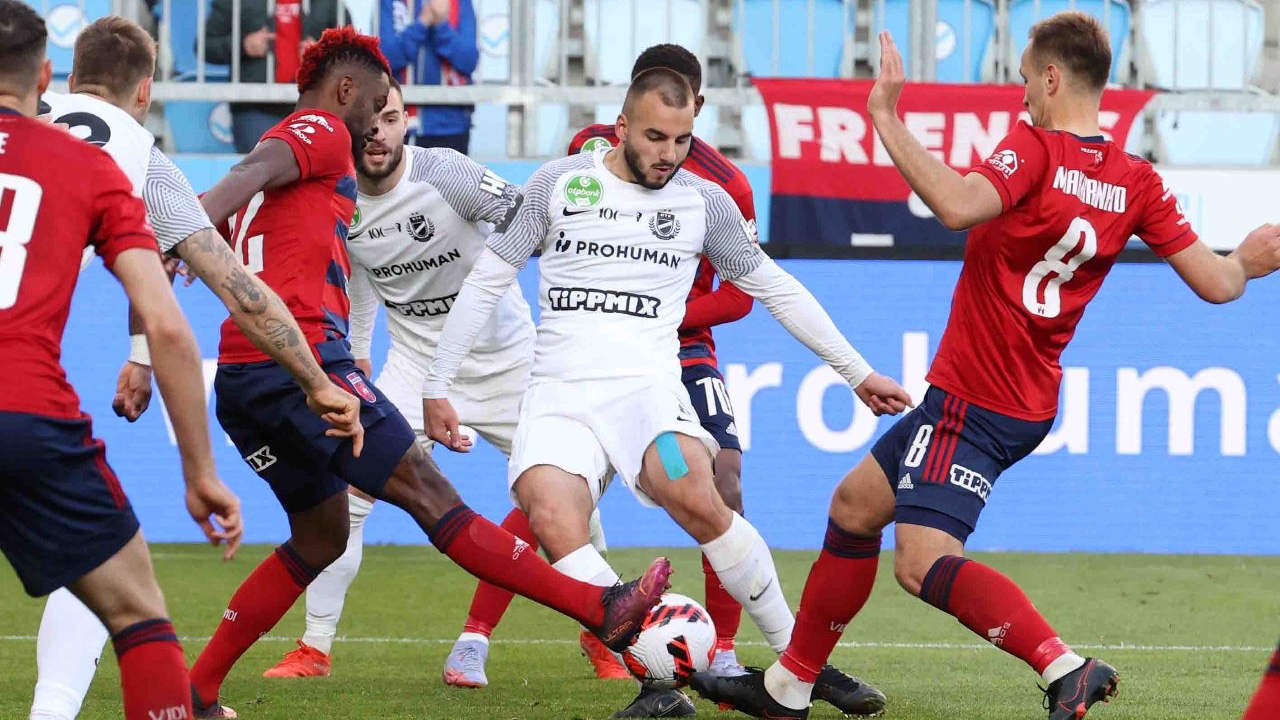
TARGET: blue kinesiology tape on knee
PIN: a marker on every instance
(669, 453)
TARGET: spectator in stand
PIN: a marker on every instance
(283, 36)
(437, 40)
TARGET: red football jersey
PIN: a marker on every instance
(1070, 206)
(46, 220)
(294, 236)
(704, 306)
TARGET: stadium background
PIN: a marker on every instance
(1170, 428)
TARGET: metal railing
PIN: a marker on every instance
(550, 58)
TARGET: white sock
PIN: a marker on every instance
(587, 565)
(1061, 667)
(328, 592)
(473, 637)
(67, 651)
(745, 567)
(596, 531)
(786, 688)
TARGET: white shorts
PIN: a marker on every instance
(592, 427)
(490, 404)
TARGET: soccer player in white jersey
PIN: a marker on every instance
(421, 220)
(111, 93)
(621, 232)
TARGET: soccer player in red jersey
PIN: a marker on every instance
(1266, 702)
(66, 521)
(287, 206)
(1048, 213)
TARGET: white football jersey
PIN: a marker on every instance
(617, 263)
(173, 209)
(100, 123)
(412, 247)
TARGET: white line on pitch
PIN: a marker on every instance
(748, 643)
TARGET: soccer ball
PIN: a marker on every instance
(676, 640)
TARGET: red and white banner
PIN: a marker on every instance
(833, 181)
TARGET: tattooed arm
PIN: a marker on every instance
(264, 318)
(255, 308)
(183, 229)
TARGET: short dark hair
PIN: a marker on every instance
(114, 54)
(22, 39)
(1077, 41)
(671, 56)
(337, 47)
(672, 87)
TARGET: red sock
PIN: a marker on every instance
(496, 556)
(263, 598)
(153, 672)
(490, 601)
(838, 586)
(1266, 702)
(994, 607)
(726, 613)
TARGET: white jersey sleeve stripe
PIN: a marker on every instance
(729, 243)
(475, 193)
(524, 229)
(364, 311)
(172, 206)
(797, 310)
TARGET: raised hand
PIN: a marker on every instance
(884, 95)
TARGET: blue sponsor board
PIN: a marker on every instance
(1168, 440)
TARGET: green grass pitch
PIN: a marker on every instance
(1190, 636)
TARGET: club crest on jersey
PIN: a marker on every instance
(594, 144)
(355, 218)
(583, 191)
(362, 389)
(421, 227)
(1006, 161)
(664, 225)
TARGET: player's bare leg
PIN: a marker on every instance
(682, 484)
(325, 598)
(68, 649)
(838, 585)
(725, 612)
(560, 507)
(498, 557)
(123, 593)
(318, 536)
(741, 559)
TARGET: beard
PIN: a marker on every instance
(357, 144)
(632, 158)
(362, 164)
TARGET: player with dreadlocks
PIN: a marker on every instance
(287, 206)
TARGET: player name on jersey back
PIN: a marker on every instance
(1070, 206)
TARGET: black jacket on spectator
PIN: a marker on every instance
(317, 16)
